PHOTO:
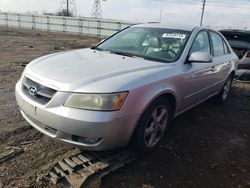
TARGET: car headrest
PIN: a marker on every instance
(154, 42)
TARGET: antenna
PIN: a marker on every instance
(97, 9)
(203, 10)
(68, 8)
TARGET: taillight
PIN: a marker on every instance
(248, 54)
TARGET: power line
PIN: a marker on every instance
(174, 2)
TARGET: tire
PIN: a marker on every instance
(223, 95)
(152, 126)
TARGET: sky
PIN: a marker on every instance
(232, 13)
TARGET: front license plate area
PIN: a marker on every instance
(28, 108)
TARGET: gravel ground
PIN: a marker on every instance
(207, 146)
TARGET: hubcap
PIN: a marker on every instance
(226, 89)
(156, 126)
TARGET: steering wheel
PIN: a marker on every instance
(171, 52)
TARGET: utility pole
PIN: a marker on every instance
(160, 15)
(203, 10)
(97, 9)
(67, 7)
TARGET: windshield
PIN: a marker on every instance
(163, 45)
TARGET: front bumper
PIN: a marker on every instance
(70, 125)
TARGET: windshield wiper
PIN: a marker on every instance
(157, 59)
(96, 48)
(111, 51)
(122, 53)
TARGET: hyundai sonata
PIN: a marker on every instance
(128, 88)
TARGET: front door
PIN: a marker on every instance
(199, 77)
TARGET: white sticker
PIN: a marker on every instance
(174, 35)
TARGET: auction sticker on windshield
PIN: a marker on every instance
(174, 35)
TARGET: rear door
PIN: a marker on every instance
(221, 64)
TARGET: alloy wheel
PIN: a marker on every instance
(156, 126)
(226, 89)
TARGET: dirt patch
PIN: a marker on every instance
(18, 47)
(205, 147)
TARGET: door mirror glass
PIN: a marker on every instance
(200, 57)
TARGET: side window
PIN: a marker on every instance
(218, 45)
(226, 49)
(201, 43)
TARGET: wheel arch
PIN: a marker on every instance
(233, 73)
(166, 94)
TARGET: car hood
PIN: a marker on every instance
(68, 71)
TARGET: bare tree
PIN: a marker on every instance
(62, 12)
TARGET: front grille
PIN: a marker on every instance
(36, 91)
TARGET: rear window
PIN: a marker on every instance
(237, 36)
(239, 44)
(239, 41)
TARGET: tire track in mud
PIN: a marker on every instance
(6, 136)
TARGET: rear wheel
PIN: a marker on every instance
(223, 95)
(152, 125)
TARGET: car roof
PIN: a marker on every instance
(169, 26)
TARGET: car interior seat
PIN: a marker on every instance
(154, 45)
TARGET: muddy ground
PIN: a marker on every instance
(209, 146)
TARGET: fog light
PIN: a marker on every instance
(92, 140)
(86, 140)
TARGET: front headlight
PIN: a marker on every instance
(102, 102)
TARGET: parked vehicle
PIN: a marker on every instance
(128, 88)
(240, 42)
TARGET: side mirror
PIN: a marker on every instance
(200, 57)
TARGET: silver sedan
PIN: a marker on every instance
(128, 88)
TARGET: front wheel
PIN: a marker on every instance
(152, 125)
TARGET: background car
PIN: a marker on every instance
(240, 42)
